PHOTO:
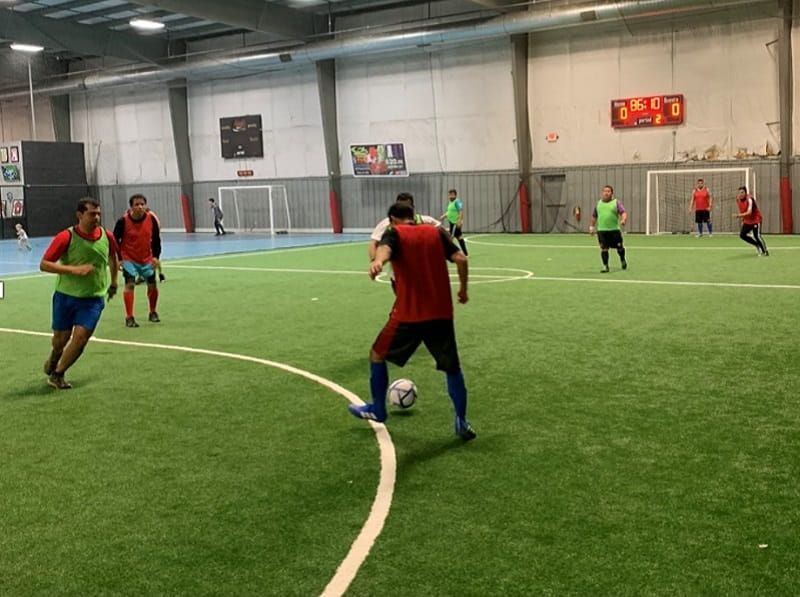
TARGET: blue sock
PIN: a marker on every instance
(710, 229)
(378, 382)
(700, 229)
(458, 393)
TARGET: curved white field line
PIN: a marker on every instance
(373, 525)
(521, 274)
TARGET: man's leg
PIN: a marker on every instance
(59, 341)
(73, 349)
(152, 298)
(378, 383)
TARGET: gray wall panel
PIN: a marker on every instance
(490, 198)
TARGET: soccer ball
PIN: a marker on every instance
(402, 393)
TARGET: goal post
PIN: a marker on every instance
(669, 195)
(257, 208)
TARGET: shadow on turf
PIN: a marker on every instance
(34, 389)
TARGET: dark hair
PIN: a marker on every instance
(608, 186)
(408, 197)
(743, 189)
(136, 196)
(84, 204)
(211, 199)
(402, 211)
(453, 191)
(700, 180)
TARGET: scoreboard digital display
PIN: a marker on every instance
(654, 110)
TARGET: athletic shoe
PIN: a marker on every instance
(162, 278)
(153, 317)
(698, 235)
(130, 322)
(49, 366)
(464, 430)
(605, 270)
(58, 382)
(765, 254)
(624, 264)
(368, 412)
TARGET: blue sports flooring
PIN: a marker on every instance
(178, 245)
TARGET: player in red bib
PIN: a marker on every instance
(751, 219)
(702, 202)
(422, 312)
(139, 240)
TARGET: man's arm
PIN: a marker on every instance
(746, 213)
(623, 215)
(54, 252)
(462, 266)
(155, 241)
(382, 254)
(119, 231)
(372, 249)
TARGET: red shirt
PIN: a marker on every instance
(136, 237)
(60, 244)
(755, 215)
(701, 199)
(422, 280)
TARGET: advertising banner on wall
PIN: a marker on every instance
(12, 202)
(379, 159)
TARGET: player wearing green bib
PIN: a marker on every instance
(607, 218)
(454, 213)
(85, 259)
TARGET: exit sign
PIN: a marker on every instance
(244, 173)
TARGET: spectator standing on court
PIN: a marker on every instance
(216, 212)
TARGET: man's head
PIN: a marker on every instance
(88, 213)
(401, 213)
(742, 193)
(700, 183)
(452, 194)
(406, 198)
(138, 204)
(211, 200)
(18, 227)
(608, 192)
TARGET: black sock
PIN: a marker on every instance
(463, 246)
(621, 253)
(604, 256)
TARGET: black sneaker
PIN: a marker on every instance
(153, 317)
(624, 264)
(464, 430)
(130, 322)
(605, 270)
(58, 382)
(162, 278)
(765, 254)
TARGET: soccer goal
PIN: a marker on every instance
(669, 196)
(258, 208)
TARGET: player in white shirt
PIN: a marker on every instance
(22, 238)
(377, 233)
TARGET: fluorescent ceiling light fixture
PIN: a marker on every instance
(146, 25)
(30, 48)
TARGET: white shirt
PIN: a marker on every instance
(377, 234)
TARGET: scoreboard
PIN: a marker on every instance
(653, 110)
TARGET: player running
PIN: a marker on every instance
(751, 219)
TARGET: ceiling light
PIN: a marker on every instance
(30, 48)
(146, 25)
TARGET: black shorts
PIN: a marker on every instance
(701, 216)
(455, 231)
(609, 238)
(397, 341)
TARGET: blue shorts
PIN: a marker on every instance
(131, 270)
(69, 311)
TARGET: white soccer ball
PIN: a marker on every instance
(402, 393)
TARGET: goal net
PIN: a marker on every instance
(669, 196)
(259, 209)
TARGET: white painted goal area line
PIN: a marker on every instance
(592, 244)
(379, 511)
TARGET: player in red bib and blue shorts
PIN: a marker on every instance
(751, 219)
(139, 240)
(422, 311)
(85, 259)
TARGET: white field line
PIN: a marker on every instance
(593, 245)
(13, 278)
(670, 283)
(360, 548)
(260, 253)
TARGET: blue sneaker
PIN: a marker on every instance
(464, 430)
(367, 411)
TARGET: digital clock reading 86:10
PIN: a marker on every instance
(654, 110)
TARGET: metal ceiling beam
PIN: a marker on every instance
(93, 40)
(255, 15)
(255, 61)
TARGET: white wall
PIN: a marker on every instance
(15, 120)
(288, 102)
(727, 73)
(127, 135)
(453, 109)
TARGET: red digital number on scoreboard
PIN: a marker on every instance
(654, 110)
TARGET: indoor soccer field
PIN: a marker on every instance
(638, 431)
